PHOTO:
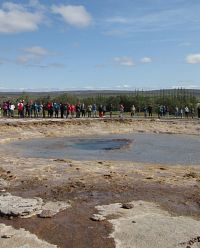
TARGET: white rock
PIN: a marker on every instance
(97, 217)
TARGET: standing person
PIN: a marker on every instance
(110, 109)
(186, 111)
(164, 110)
(9, 113)
(83, 109)
(133, 110)
(121, 110)
(31, 108)
(94, 110)
(62, 109)
(12, 109)
(44, 110)
(68, 109)
(5, 109)
(176, 112)
(145, 111)
(56, 108)
(48, 109)
(100, 110)
(104, 110)
(40, 109)
(192, 112)
(198, 110)
(72, 109)
(181, 113)
(78, 110)
(150, 110)
(167, 111)
(21, 109)
(27, 110)
(65, 110)
(35, 110)
(89, 110)
(160, 111)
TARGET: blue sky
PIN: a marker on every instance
(99, 44)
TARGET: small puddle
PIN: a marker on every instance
(142, 147)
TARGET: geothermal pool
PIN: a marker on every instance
(141, 147)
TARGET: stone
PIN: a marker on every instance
(149, 178)
(6, 236)
(50, 209)
(97, 217)
(127, 205)
(17, 206)
(46, 214)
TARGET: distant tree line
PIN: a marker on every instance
(172, 98)
(141, 99)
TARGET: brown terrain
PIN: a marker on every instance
(87, 184)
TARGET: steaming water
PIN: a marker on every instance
(147, 148)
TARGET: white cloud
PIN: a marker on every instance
(164, 17)
(184, 44)
(124, 61)
(100, 66)
(114, 32)
(15, 18)
(76, 44)
(117, 19)
(123, 86)
(146, 60)
(24, 59)
(73, 15)
(193, 58)
(37, 51)
(32, 54)
(36, 4)
(56, 65)
(186, 86)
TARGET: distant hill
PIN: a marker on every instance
(90, 93)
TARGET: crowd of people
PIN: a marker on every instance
(52, 109)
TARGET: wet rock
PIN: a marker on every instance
(127, 205)
(17, 206)
(97, 217)
(14, 206)
(52, 208)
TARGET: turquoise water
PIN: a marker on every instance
(147, 148)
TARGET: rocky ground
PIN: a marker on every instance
(160, 195)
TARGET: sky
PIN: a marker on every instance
(99, 44)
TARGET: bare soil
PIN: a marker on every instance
(87, 184)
